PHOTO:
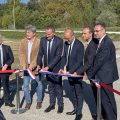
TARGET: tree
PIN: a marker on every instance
(108, 17)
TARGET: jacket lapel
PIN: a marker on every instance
(26, 51)
(73, 47)
(33, 47)
(45, 45)
(100, 45)
(3, 52)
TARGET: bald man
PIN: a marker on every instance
(72, 60)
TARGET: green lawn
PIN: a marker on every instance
(14, 35)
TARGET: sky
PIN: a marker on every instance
(23, 1)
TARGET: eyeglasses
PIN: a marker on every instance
(97, 30)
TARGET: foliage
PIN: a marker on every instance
(109, 18)
(61, 13)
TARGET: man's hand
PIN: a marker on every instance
(45, 68)
(30, 67)
(67, 72)
(4, 67)
(24, 68)
(38, 68)
(74, 73)
(85, 77)
(61, 71)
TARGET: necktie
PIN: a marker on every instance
(69, 53)
(0, 60)
(49, 51)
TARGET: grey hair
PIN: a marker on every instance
(30, 28)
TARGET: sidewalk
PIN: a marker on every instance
(34, 114)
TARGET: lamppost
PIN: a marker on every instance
(14, 15)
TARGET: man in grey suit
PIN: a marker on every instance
(50, 49)
(105, 70)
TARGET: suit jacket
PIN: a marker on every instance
(56, 53)
(8, 57)
(89, 56)
(23, 53)
(76, 57)
(105, 67)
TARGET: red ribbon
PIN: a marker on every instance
(6, 71)
(110, 88)
(102, 84)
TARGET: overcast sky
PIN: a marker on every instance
(23, 1)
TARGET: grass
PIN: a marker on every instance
(15, 35)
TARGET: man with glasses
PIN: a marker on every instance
(105, 70)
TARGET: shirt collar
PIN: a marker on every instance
(1, 46)
(31, 41)
(88, 42)
(51, 39)
(101, 39)
(73, 41)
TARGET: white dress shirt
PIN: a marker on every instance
(1, 57)
(30, 43)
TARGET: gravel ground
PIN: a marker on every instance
(34, 114)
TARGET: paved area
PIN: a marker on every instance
(34, 114)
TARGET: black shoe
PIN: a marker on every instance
(78, 117)
(71, 113)
(9, 104)
(60, 109)
(50, 108)
(94, 117)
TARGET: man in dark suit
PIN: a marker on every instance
(89, 57)
(105, 70)
(51, 48)
(6, 59)
(73, 59)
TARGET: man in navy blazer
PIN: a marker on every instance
(90, 53)
(72, 60)
(105, 70)
(51, 48)
(6, 59)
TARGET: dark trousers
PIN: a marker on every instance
(108, 103)
(89, 97)
(2, 116)
(4, 79)
(94, 89)
(76, 89)
(55, 89)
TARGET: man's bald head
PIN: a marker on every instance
(69, 34)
